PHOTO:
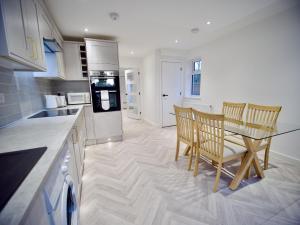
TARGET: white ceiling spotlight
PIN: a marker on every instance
(208, 23)
(86, 30)
(195, 30)
(131, 52)
(176, 41)
(114, 16)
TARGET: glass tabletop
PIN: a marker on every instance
(258, 132)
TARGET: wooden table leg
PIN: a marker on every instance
(187, 150)
(250, 157)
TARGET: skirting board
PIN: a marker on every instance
(104, 140)
(285, 156)
(151, 123)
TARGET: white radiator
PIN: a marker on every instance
(195, 104)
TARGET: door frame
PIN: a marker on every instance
(161, 85)
(138, 91)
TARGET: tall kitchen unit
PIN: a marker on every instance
(103, 70)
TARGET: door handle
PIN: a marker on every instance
(164, 95)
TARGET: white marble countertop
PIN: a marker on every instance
(51, 132)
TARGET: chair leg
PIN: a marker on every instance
(217, 177)
(196, 162)
(177, 150)
(214, 163)
(266, 161)
(191, 158)
(248, 172)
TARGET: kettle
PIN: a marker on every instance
(55, 101)
(51, 101)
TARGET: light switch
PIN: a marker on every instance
(2, 98)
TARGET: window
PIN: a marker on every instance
(196, 78)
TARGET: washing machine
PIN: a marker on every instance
(60, 192)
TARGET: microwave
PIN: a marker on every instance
(78, 98)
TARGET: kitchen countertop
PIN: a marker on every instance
(51, 132)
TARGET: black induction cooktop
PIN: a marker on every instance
(53, 113)
(14, 167)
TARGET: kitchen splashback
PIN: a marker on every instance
(23, 95)
(64, 87)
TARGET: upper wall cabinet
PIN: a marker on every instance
(32, 32)
(75, 60)
(55, 66)
(20, 42)
(44, 24)
(102, 55)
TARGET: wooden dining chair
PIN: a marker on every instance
(233, 112)
(210, 142)
(185, 131)
(262, 117)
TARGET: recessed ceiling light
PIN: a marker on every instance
(176, 41)
(131, 52)
(86, 30)
(208, 23)
(195, 30)
(114, 16)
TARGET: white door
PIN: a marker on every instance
(171, 90)
(132, 80)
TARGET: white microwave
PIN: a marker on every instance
(79, 98)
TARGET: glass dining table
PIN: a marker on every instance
(253, 136)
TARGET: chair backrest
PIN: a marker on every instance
(233, 112)
(210, 134)
(261, 115)
(184, 124)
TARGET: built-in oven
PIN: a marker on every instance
(105, 90)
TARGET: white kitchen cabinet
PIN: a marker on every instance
(55, 66)
(44, 24)
(57, 36)
(73, 60)
(61, 65)
(38, 212)
(102, 54)
(89, 124)
(20, 45)
(32, 34)
(108, 126)
(80, 137)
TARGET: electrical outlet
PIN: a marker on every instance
(2, 98)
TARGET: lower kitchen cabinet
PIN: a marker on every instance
(89, 123)
(79, 137)
(108, 126)
(38, 212)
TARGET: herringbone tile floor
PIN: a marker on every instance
(137, 182)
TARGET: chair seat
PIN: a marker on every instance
(231, 149)
(227, 133)
(236, 139)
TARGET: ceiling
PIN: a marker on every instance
(147, 25)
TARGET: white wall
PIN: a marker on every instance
(130, 62)
(149, 89)
(259, 64)
(151, 82)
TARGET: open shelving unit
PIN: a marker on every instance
(83, 60)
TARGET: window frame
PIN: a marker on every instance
(195, 72)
